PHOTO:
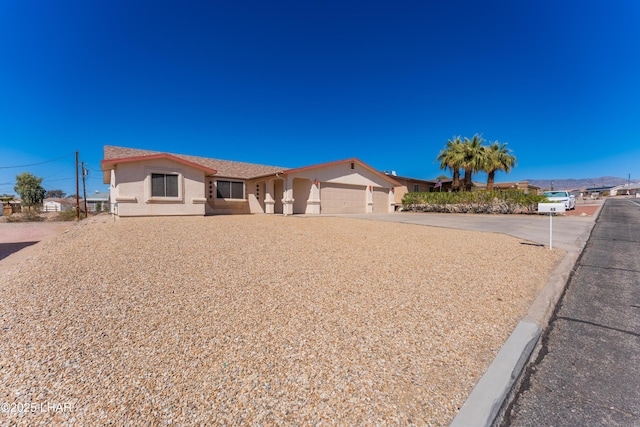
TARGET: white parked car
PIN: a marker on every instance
(565, 197)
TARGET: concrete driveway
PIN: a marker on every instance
(569, 232)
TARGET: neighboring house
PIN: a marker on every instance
(57, 205)
(11, 207)
(148, 183)
(412, 185)
(98, 202)
(632, 189)
(521, 185)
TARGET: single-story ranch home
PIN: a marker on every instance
(149, 183)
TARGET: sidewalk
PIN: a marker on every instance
(588, 370)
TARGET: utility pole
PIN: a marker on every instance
(84, 191)
(77, 191)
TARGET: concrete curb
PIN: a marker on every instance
(493, 393)
(487, 398)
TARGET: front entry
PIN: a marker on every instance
(278, 194)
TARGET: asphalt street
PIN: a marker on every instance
(588, 370)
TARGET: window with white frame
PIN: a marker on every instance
(164, 185)
(229, 189)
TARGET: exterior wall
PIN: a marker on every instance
(92, 205)
(302, 194)
(131, 189)
(216, 206)
(399, 194)
(55, 207)
(407, 187)
(256, 191)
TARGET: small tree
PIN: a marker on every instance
(497, 158)
(59, 194)
(29, 189)
(473, 159)
(451, 157)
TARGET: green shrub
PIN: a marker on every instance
(502, 201)
(68, 215)
(31, 215)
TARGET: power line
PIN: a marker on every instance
(36, 164)
(59, 179)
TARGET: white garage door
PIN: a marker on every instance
(380, 200)
(342, 198)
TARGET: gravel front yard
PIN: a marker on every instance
(261, 320)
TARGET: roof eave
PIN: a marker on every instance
(109, 164)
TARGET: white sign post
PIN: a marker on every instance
(551, 208)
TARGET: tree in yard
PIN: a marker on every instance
(4, 198)
(59, 194)
(451, 157)
(29, 189)
(497, 157)
(472, 159)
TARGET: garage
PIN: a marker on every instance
(342, 198)
(380, 200)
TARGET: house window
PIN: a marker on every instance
(230, 189)
(164, 185)
(416, 187)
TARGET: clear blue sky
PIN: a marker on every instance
(293, 83)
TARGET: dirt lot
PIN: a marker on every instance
(15, 237)
(582, 209)
(262, 320)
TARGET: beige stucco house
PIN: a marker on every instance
(150, 183)
(521, 185)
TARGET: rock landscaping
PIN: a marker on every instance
(258, 320)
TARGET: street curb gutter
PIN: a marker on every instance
(493, 393)
(487, 398)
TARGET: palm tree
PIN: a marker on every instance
(473, 159)
(497, 157)
(451, 157)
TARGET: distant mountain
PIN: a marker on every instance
(576, 184)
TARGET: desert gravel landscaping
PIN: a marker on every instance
(259, 320)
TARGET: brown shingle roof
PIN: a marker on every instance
(225, 168)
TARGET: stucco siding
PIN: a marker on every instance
(131, 192)
(343, 174)
(222, 206)
(301, 195)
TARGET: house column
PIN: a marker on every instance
(269, 202)
(287, 199)
(369, 199)
(313, 204)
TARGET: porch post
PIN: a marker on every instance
(313, 204)
(269, 202)
(287, 200)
